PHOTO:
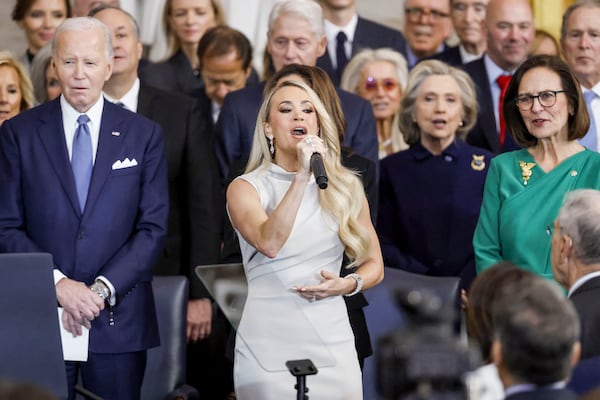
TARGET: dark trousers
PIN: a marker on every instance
(208, 368)
(111, 376)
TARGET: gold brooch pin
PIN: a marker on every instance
(478, 162)
(526, 170)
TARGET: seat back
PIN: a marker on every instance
(165, 368)
(30, 349)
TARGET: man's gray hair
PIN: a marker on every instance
(309, 10)
(579, 218)
(80, 24)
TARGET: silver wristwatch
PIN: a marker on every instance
(359, 283)
(100, 289)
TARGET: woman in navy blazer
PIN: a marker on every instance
(430, 194)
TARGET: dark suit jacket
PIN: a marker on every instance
(195, 226)
(544, 394)
(450, 55)
(368, 35)
(484, 132)
(585, 299)
(174, 75)
(121, 231)
(235, 127)
(177, 75)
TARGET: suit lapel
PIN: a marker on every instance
(144, 100)
(52, 135)
(486, 105)
(109, 146)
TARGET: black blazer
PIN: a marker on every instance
(174, 75)
(585, 301)
(450, 55)
(369, 35)
(195, 225)
(543, 394)
(484, 132)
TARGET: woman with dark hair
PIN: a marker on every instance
(39, 19)
(430, 194)
(546, 114)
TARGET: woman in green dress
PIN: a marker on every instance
(546, 114)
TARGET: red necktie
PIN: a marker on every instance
(503, 81)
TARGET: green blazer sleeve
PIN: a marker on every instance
(486, 239)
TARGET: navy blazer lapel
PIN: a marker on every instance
(52, 136)
(110, 142)
(486, 104)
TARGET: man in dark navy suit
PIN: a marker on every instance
(86, 181)
(536, 341)
(195, 221)
(468, 19)
(510, 30)
(348, 32)
(296, 35)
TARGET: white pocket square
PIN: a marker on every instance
(126, 163)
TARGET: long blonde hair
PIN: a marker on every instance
(340, 199)
(27, 99)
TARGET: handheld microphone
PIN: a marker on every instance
(318, 169)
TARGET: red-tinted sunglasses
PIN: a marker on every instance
(388, 84)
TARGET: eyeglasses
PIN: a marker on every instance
(547, 98)
(372, 85)
(414, 14)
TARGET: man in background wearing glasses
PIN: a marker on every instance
(510, 30)
(580, 41)
(427, 25)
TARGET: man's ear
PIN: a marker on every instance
(566, 247)
(496, 353)
(576, 354)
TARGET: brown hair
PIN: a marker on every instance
(222, 40)
(578, 122)
(485, 291)
(23, 6)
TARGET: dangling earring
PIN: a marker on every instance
(271, 146)
(461, 124)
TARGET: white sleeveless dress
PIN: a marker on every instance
(277, 324)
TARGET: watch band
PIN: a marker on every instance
(359, 283)
(100, 289)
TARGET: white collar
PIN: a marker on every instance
(129, 99)
(331, 30)
(579, 282)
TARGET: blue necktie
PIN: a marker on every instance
(81, 160)
(340, 53)
(590, 140)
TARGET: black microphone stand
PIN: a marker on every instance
(300, 369)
